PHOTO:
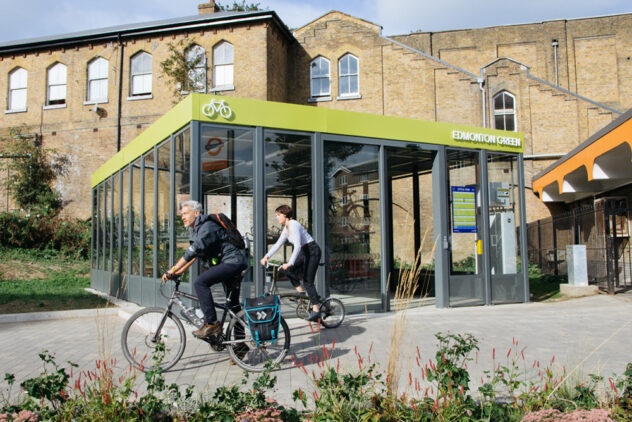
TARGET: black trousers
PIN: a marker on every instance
(228, 275)
(306, 264)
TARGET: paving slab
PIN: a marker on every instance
(584, 336)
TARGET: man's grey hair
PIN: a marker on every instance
(193, 205)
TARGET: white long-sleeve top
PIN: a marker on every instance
(298, 237)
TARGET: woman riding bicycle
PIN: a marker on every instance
(209, 240)
(306, 254)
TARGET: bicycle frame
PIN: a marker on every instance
(175, 300)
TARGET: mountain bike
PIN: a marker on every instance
(332, 309)
(145, 330)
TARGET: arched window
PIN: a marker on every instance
(196, 61)
(140, 83)
(17, 89)
(56, 84)
(320, 77)
(223, 66)
(348, 76)
(505, 111)
(98, 80)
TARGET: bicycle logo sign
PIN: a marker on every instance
(217, 107)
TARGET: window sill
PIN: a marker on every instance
(318, 99)
(52, 107)
(93, 102)
(349, 97)
(223, 88)
(140, 97)
(22, 110)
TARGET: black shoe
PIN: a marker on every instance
(314, 316)
(208, 330)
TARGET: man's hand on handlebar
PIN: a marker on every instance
(169, 275)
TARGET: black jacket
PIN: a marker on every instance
(209, 240)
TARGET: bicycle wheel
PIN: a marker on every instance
(296, 301)
(333, 312)
(254, 358)
(138, 342)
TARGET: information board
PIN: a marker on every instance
(463, 209)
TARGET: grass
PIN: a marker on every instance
(37, 281)
(544, 286)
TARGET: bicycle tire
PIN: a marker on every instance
(333, 312)
(257, 356)
(142, 325)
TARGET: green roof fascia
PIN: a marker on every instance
(269, 114)
(169, 123)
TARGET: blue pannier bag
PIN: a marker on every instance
(264, 318)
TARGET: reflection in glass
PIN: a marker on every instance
(164, 244)
(353, 222)
(125, 223)
(95, 227)
(116, 212)
(465, 228)
(288, 168)
(149, 222)
(135, 218)
(182, 188)
(410, 178)
(106, 207)
(226, 162)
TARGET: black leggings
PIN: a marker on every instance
(307, 263)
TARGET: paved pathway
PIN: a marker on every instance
(595, 331)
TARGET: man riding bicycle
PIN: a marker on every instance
(209, 241)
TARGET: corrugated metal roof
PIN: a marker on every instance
(141, 28)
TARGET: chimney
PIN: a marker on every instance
(206, 8)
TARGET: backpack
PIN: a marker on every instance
(264, 318)
(234, 237)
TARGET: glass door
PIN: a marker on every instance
(507, 284)
(466, 277)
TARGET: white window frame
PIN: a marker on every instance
(345, 200)
(56, 80)
(343, 179)
(505, 111)
(140, 75)
(223, 66)
(350, 75)
(97, 77)
(17, 89)
(321, 95)
(200, 68)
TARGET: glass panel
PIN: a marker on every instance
(141, 63)
(509, 122)
(95, 228)
(107, 192)
(504, 215)
(17, 99)
(101, 225)
(499, 122)
(498, 102)
(125, 223)
(164, 244)
(116, 211)
(149, 218)
(353, 229)
(410, 176)
(288, 182)
(135, 218)
(226, 165)
(465, 227)
(509, 102)
(183, 190)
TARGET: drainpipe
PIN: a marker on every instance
(481, 83)
(120, 94)
(555, 44)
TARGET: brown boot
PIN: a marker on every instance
(208, 330)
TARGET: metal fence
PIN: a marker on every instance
(603, 227)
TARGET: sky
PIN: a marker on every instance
(36, 18)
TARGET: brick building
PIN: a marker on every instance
(88, 94)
